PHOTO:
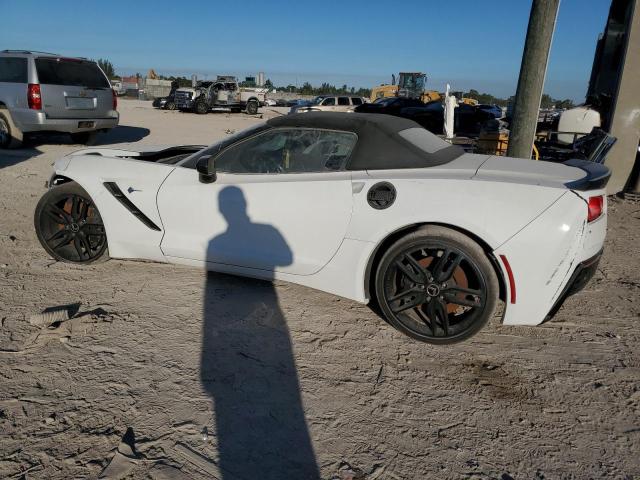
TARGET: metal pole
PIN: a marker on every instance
(542, 22)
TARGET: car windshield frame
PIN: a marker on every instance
(217, 147)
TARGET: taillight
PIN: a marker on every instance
(595, 208)
(115, 99)
(34, 99)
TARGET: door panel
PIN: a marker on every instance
(291, 223)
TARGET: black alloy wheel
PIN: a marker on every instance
(69, 225)
(170, 106)
(437, 285)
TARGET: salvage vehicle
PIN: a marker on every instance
(222, 94)
(329, 103)
(44, 92)
(373, 208)
(468, 119)
(165, 103)
(168, 102)
(494, 110)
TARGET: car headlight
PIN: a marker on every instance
(61, 164)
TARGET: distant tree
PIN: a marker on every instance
(306, 89)
(546, 101)
(268, 84)
(566, 103)
(473, 94)
(107, 67)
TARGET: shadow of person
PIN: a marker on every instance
(247, 362)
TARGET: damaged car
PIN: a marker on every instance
(372, 208)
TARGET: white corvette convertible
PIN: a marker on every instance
(368, 207)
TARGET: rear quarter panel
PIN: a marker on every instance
(544, 254)
(493, 211)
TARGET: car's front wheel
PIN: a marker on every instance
(170, 106)
(436, 285)
(201, 107)
(69, 225)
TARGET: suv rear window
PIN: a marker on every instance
(343, 101)
(13, 70)
(356, 100)
(53, 71)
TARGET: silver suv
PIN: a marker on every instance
(44, 92)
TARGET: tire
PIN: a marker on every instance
(10, 137)
(252, 107)
(200, 107)
(84, 138)
(69, 226)
(436, 285)
(170, 106)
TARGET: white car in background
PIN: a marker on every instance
(368, 207)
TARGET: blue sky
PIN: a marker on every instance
(468, 43)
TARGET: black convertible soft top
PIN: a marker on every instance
(381, 146)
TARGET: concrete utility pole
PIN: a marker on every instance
(542, 22)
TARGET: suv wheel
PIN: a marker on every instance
(7, 138)
(252, 107)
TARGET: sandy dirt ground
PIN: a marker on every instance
(166, 372)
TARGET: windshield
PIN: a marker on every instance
(318, 100)
(217, 147)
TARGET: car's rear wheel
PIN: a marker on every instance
(10, 136)
(252, 107)
(436, 285)
(69, 225)
(5, 132)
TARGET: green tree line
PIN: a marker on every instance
(329, 89)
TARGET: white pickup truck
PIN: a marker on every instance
(222, 94)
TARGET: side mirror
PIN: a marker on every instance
(206, 169)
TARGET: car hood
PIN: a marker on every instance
(136, 151)
(168, 154)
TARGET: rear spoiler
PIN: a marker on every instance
(597, 175)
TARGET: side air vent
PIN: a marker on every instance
(128, 204)
(381, 195)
